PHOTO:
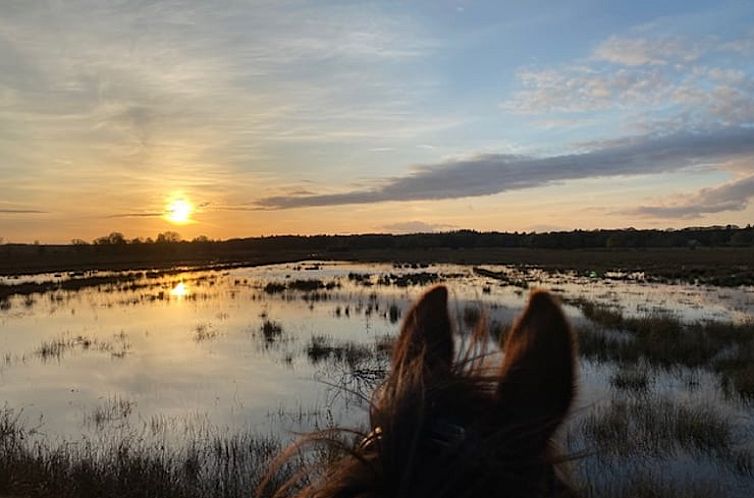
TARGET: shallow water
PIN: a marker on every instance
(189, 348)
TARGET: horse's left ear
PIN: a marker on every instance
(426, 335)
(537, 383)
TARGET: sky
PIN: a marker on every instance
(294, 117)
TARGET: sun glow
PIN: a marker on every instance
(179, 211)
(180, 290)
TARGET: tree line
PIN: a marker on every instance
(693, 237)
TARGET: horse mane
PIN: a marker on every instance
(447, 425)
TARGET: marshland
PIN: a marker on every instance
(216, 217)
(186, 382)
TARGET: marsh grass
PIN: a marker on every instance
(394, 313)
(54, 349)
(632, 379)
(205, 332)
(115, 409)
(271, 331)
(322, 348)
(664, 340)
(209, 465)
(647, 484)
(506, 278)
(408, 279)
(351, 370)
(302, 285)
(646, 427)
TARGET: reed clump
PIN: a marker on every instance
(125, 465)
(664, 340)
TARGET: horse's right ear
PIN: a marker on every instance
(537, 382)
(426, 335)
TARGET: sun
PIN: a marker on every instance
(179, 211)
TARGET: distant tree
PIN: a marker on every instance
(201, 238)
(168, 238)
(113, 239)
(79, 242)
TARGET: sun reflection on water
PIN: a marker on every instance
(181, 290)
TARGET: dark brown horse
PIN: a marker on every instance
(443, 426)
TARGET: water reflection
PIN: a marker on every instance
(180, 290)
(273, 348)
(230, 346)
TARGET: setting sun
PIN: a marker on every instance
(179, 211)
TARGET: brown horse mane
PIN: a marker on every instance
(452, 425)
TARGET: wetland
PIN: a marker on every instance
(187, 381)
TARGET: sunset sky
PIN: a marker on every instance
(241, 118)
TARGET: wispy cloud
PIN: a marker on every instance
(667, 81)
(136, 215)
(732, 196)
(657, 51)
(495, 173)
(415, 227)
(184, 90)
(21, 211)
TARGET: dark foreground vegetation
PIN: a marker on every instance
(122, 465)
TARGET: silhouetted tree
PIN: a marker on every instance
(168, 238)
(114, 239)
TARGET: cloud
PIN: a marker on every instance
(641, 51)
(662, 81)
(21, 211)
(584, 89)
(732, 196)
(173, 92)
(744, 45)
(494, 173)
(137, 215)
(415, 227)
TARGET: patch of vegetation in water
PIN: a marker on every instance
(504, 277)
(408, 279)
(664, 340)
(55, 349)
(114, 409)
(648, 427)
(271, 330)
(631, 379)
(364, 279)
(322, 348)
(304, 285)
(205, 332)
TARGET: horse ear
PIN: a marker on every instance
(426, 335)
(538, 374)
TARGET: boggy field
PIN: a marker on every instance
(185, 382)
